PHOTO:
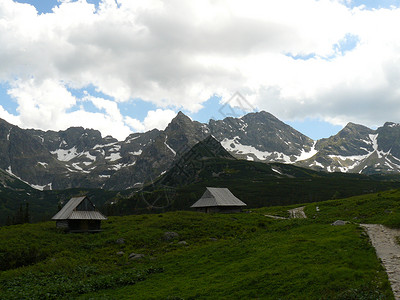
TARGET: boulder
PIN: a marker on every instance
(120, 241)
(136, 256)
(170, 235)
(120, 253)
(339, 223)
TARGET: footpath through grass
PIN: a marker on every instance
(233, 256)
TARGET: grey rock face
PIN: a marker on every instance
(358, 149)
(79, 157)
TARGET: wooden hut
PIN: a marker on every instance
(79, 215)
(219, 200)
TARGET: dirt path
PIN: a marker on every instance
(384, 241)
(297, 213)
(276, 217)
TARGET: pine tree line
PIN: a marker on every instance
(20, 217)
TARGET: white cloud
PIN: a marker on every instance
(155, 119)
(41, 103)
(46, 105)
(179, 53)
(5, 115)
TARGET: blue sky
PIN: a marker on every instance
(128, 66)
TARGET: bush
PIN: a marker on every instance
(19, 257)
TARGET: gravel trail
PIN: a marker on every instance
(388, 250)
(297, 213)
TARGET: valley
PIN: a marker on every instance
(146, 185)
(243, 255)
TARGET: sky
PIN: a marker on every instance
(123, 66)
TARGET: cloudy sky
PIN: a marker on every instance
(123, 66)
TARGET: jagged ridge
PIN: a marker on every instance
(79, 157)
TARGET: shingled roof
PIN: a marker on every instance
(70, 212)
(218, 197)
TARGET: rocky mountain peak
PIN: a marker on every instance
(181, 118)
(79, 157)
(260, 116)
(354, 129)
(391, 124)
(4, 122)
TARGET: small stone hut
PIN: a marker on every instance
(79, 215)
(218, 200)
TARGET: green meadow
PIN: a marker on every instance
(214, 256)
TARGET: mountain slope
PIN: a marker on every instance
(262, 137)
(187, 169)
(26, 158)
(358, 149)
(258, 184)
(79, 157)
(160, 153)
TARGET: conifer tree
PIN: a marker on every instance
(26, 215)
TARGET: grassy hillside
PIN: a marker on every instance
(257, 184)
(380, 208)
(233, 256)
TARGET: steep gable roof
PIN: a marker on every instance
(218, 197)
(69, 212)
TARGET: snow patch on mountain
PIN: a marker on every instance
(42, 187)
(374, 141)
(77, 167)
(89, 156)
(119, 166)
(168, 146)
(244, 126)
(132, 139)
(276, 171)
(307, 154)
(317, 164)
(351, 158)
(136, 153)
(65, 154)
(114, 156)
(347, 163)
(233, 145)
(115, 148)
(104, 145)
(37, 187)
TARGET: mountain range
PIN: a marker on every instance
(79, 157)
